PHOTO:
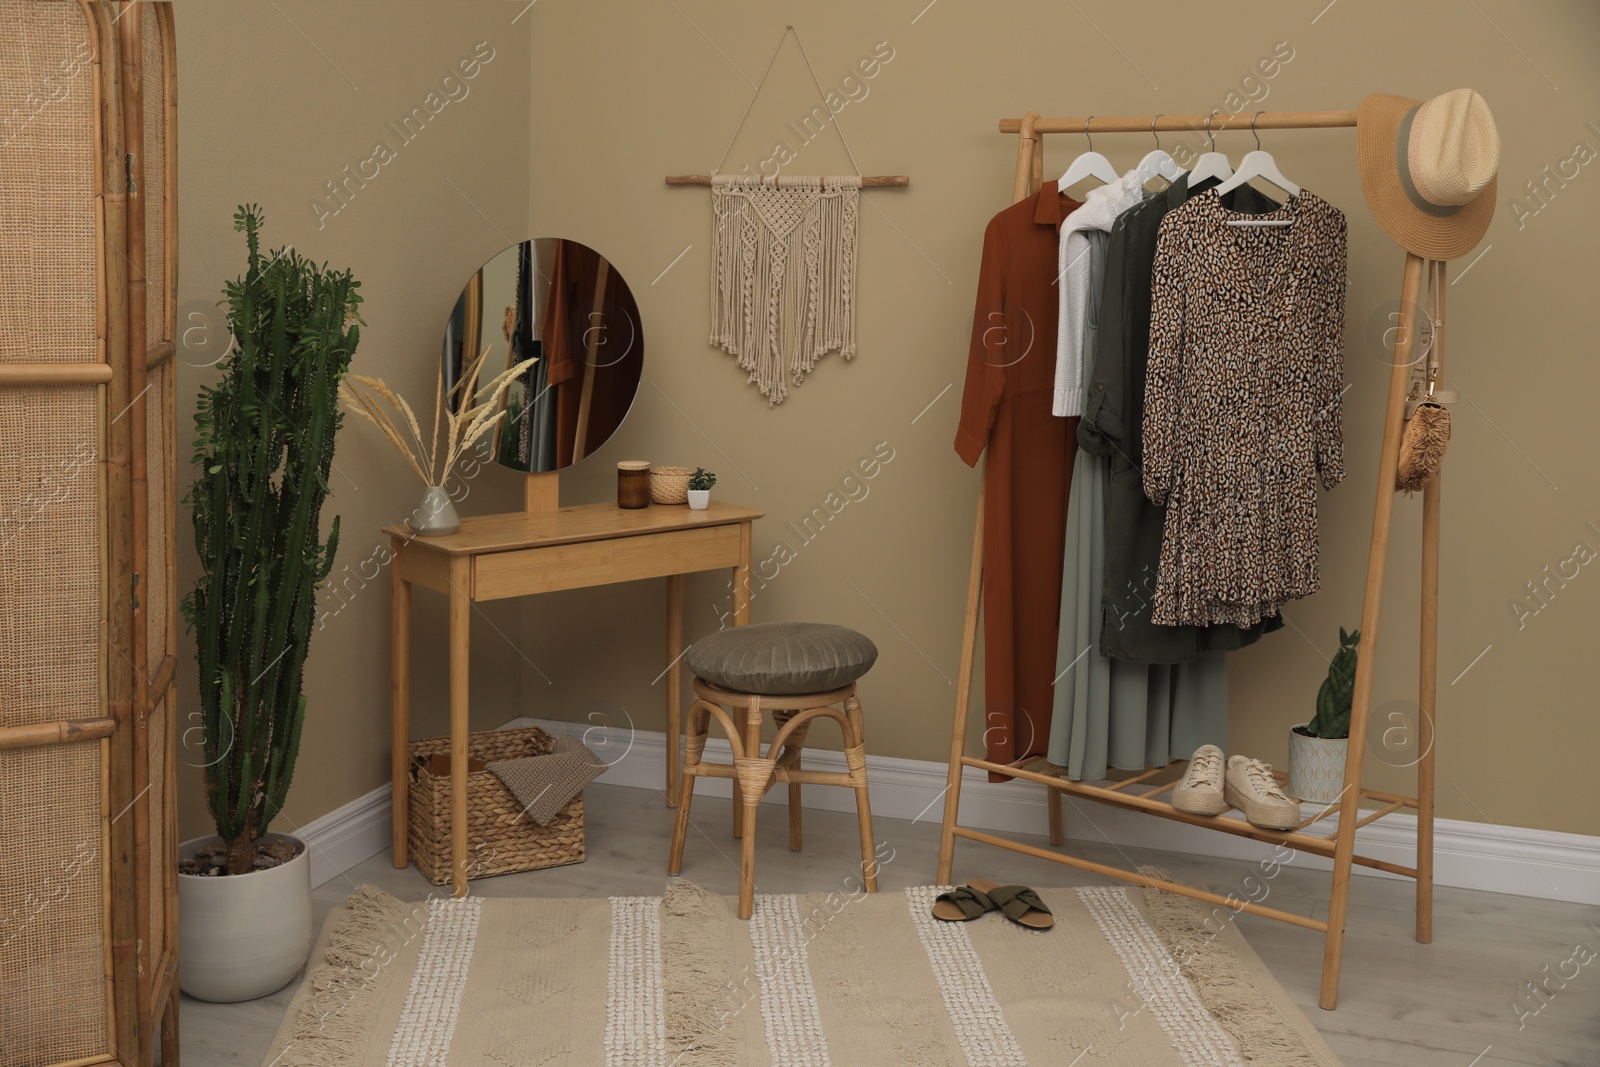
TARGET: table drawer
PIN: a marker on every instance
(520, 572)
(676, 552)
(541, 570)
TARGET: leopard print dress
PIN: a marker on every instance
(1243, 406)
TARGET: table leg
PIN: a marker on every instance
(399, 700)
(741, 617)
(741, 579)
(674, 685)
(460, 644)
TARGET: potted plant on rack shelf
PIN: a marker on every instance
(264, 439)
(1317, 748)
(700, 483)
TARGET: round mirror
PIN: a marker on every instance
(561, 304)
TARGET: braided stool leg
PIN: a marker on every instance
(752, 778)
(789, 759)
(694, 746)
(856, 756)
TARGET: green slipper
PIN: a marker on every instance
(1016, 902)
(961, 905)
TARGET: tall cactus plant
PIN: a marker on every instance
(263, 448)
(1333, 699)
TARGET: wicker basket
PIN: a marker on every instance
(500, 838)
(670, 485)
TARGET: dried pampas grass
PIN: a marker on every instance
(475, 415)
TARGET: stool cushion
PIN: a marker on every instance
(782, 658)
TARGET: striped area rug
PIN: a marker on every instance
(1127, 978)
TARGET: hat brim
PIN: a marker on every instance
(1430, 236)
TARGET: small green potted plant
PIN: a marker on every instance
(700, 483)
(1317, 748)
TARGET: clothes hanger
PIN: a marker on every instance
(1089, 165)
(1259, 164)
(1211, 164)
(1158, 163)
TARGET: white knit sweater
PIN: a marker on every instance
(1099, 212)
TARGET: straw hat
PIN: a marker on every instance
(1428, 169)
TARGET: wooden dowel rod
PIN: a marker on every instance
(1388, 798)
(56, 733)
(158, 354)
(1269, 120)
(868, 181)
(14, 374)
(1318, 817)
(1374, 816)
(1233, 904)
(1135, 780)
(1158, 790)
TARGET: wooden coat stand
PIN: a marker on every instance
(1339, 846)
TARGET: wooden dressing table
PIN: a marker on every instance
(542, 549)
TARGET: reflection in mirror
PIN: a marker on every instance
(562, 303)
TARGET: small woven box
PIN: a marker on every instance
(670, 485)
(500, 838)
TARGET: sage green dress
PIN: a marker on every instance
(1117, 713)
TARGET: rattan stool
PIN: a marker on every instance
(753, 774)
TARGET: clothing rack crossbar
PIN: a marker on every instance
(1268, 120)
(868, 181)
(1340, 844)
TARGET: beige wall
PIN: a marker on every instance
(267, 114)
(618, 95)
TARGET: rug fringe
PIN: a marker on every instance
(334, 1025)
(697, 956)
(1223, 982)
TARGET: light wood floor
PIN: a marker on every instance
(1401, 1003)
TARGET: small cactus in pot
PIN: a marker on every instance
(1317, 749)
(1338, 690)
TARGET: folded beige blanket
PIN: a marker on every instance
(544, 784)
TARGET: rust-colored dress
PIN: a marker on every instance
(1006, 409)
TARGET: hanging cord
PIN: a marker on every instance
(1426, 365)
(787, 30)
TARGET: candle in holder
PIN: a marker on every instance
(633, 483)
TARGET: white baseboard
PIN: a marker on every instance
(348, 835)
(1467, 855)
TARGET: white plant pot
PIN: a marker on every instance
(1316, 767)
(436, 515)
(699, 499)
(245, 935)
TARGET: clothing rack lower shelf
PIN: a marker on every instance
(1116, 796)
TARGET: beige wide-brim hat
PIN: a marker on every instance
(1428, 169)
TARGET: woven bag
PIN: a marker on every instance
(1427, 429)
(1422, 446)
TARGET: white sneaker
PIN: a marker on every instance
(1200, 791)
(1251, 788)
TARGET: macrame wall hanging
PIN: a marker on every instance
(783, 260)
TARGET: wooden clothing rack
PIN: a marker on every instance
(1339, 846)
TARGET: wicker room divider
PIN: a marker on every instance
(88, 930)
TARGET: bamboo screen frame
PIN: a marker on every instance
(87, 506)
(149, 104)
